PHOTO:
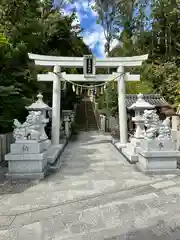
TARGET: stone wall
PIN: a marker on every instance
(5, 143)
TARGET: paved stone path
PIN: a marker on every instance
(95, 195)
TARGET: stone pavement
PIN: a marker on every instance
(95, 195)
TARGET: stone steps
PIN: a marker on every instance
(85, 118)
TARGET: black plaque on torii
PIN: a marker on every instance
(89, 66)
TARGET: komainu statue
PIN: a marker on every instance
(151, 121)
(156, 128)
(165, 129)
(31, 129)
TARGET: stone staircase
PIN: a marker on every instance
(85, 117)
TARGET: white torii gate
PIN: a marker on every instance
(78, 62)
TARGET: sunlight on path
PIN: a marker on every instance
(94, 174)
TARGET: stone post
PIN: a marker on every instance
(103, 123)
(56, 105)
(67, 128)
(175, 130)
(96, 106)
(175, 123)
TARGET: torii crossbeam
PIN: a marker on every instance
(49, 77)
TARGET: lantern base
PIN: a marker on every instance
(130, 153)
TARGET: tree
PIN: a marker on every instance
(134, 39)
(165, 79)
(161, 41)
(120, 20)
(166, 29)
(108, 19)
(162, 69)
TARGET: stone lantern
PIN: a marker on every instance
(139, 106)
(40, 106)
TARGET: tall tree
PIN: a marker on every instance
(163, 67)
(166, 28)
(121, 20)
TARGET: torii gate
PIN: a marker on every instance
(89, 75)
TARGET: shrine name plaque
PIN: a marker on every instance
(89, 66)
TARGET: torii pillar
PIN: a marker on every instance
(122, 109)
(56, 104)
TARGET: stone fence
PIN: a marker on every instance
(176, 130)
(5, 142)
(105, 123)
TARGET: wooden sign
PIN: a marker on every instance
(89, 66)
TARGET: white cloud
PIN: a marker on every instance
(101, 50)
(91, 38)
(93, 34)
(78, 6)
(84, 16)
(84, 4)
(91, 6)
(95, 38)
(65, 12)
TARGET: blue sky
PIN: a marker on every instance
(93, 34)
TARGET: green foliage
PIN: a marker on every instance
(165, 79)
(3, 40)
(138, 87)
(109, 100)
(160, 74)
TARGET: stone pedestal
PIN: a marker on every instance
(131, 150)
(47, 144)
(27, 160)
(158, 156)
